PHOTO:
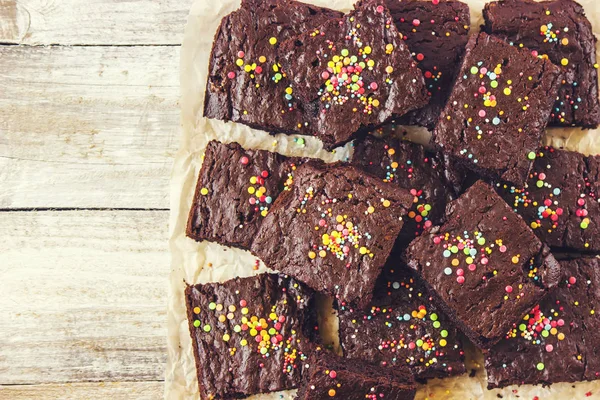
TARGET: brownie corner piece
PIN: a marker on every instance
(328, 376)
(560, 31)
(558, 340)
(402, 327)
(560, 200)
(250, 335)
(234, 192)
(333, 230)
(499, 107)
(355, 73)
(436, 34)
(484, 266)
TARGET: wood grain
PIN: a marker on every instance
(87, 127)
(85, 391)
(93, 22)
(83, 296)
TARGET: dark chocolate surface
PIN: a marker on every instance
(225, 320)
(412, 167)
(559, 200)
(245, 82)
(485, 266)
(356, 72)
(402, 327)
(334, 230)
(560, 31)
(498, 110)
(436, 34)
(230, 203)
(327, 376)
(559, 339)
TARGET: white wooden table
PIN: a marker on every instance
(89, 119)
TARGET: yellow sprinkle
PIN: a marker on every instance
(196, 310)
(204, 191)
(312, 255)
(565, 41)
(389, 69)
(367, 50)
(226, 337)
(322, 253)
(273, 40)
(507, 91)
(239, 62)
(371, 210)
(251, 190)
(515, 259)
(386, 203)
(564, 62)
(443, 342)
(375, 103)
(362, 250)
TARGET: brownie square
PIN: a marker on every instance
(436, 34)
(245, 81)
(498, 110)
(560, 31)
(334, 230)
(356, 72)
(559, 339)
(560, 200)
(484, 266)
(402, 327)
(327, 376)
(250, 335)
(235, 190)
(410, 166)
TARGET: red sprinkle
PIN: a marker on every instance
(244, 160)
(420, 57)
(332, 374)
(508, 289)
(416, 22)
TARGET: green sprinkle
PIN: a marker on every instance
(474, 70)
(444, 333)
(531, 155)
(212, 306)
(436, 324)
(434, 317)
(206, 328)
(540, 366)
(196, 323)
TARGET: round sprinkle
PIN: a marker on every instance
(540, 366)
(564, 62)
(474, 70)
(416, 22)
(244, 160)
(331, 392)
(448, 271)
(196, 323)
(531, 155)
(549, 348)
(273, 41)
(507, 91)
(197, 309)
(231, 75)
(204, 191)
(508, 289)
(332, 374)
(206, 328)
(572, 280)
(386, 203)
(226, 337)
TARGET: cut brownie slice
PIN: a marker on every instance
(356, 71)
(412, 167)
(559, 339)
(498, 109)
(334, 230)
(250, 335)
(402, 327)
(235, 190)
(328, 376)
(245, 82)
(560, 199)
(485, 267)
(436, 34)
(560, 31)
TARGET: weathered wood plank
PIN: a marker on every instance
(84, 391)
(87, 127)
(106, 22)
(83, 296)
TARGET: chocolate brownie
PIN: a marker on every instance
(498, 110)
(436, 33)
(409, 166)
(560, 199)
(560, 31)
(245, 81)
(356, 71)
(484, 266)
(334, 230)
(559, 339)
(402, 327)
(235, 190)
(250, 335)
(327, 376)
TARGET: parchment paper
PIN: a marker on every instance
(194, 262)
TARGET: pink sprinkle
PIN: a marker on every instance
(340, 227)
(333, 374)
(572, 280)
(547, 202)
(379, 10)
(428, 224)
(416, 22)
(581, 202)
(460, 272)
(484, 260)
(483, 70)
(460, 279)
(374, 85)
(560, 322)
(472, 267)
(241, 54)
(437, 240)
(282, 318)
(411, 345)
(508, 289)
(534, 53)
(549, 348)
(502, 249)
(231, 75)
(435, 2)
(542, 176)
(346, 249)
(559, 211)
(322, 222)
(243, 303)
(482, 113)
(252, 200)
(482, 89)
